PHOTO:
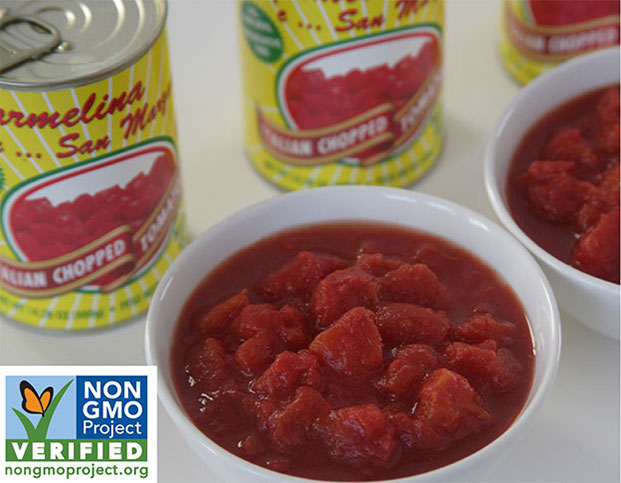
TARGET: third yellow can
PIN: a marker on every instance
(537, 35)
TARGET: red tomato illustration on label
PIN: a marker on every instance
(92, 220)
(566, 12)
(321, 91)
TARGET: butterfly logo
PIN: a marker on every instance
(32, 402)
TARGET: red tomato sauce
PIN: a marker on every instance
(563, 183)
(352, 351)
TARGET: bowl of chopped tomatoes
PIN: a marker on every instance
(552, 176)
(353, 334)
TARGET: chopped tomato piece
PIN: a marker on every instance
(485, 363)
(377, 264)
(597, 250)
(401, 323)
(207, 364)
(570, 145)
(288, 323)
(416, 284)
(287, 372)
(352, 346)
(407, 370)
(290, 427)
(220, 317)
(449, 404)
(343, 290)
(553, 191)
(256, 353)
(481, 327)
(299, 277)
(254, 318)
(359, 435)
(416, 434)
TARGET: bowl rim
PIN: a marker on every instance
(192, 434)
(494, 191)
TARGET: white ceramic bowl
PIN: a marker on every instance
(387, 205)
(592, 301)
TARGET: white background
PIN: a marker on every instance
(575, 436)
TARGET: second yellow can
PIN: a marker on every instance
(342, 92)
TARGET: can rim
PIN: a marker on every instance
(9, 84)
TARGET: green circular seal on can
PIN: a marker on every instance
(262, 36)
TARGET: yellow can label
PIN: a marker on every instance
(342, 92)
(537, 35)
(90, 197)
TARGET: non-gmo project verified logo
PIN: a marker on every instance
(79, 423)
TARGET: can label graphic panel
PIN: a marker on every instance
(43, 221)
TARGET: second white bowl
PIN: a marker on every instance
(592, 301)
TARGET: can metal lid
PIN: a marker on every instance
(97, 39)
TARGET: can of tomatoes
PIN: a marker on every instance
(342, 92)
(90, 197)
(537, 35)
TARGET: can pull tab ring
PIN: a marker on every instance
(11, 56)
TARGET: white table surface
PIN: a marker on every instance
(574, 437)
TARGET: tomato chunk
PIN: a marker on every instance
(377, 264)
(597, 250)
(293, 328)
(253, 319)
(401, 323)
(608, 140)
(416, 434)
(449, 404)
(570, 145)
(287, 372)
(256, 353)
(288, 323)
(609, 185)
(290, 427)
(352, 346)
(416, 284)
(343, 290)
(207, 364)
(553, 191)
(219, 317)
(407, 370)
(316, 100)
(299, 277)
(481, 327)
(485, 363)
(263, 410)
(359, 436)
